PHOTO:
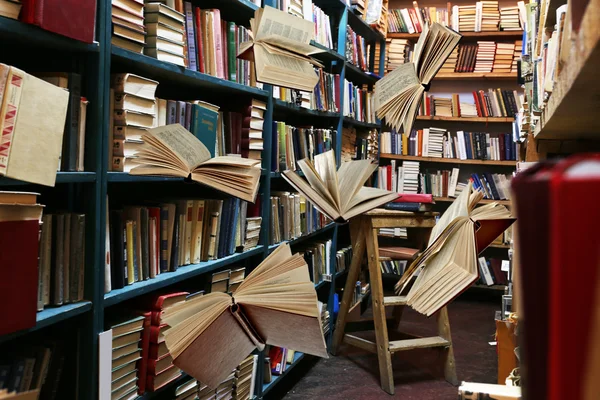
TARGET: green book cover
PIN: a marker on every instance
(204, 126)
(231, 52)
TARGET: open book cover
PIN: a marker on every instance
(280, 48)
(276, 304)
(339, 194)
(172, 150)
(399, 94)
(449, 264)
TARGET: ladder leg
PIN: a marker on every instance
(358, 250)
(447, 353)
(383, 353)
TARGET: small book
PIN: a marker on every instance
(277, 299)
(449, 265)
(338, 194)
(280, 47)
(399, 93)
(173, 151)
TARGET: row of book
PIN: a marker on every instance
(136, 109)
(325, 96)
(484, 57)
(293, 216)
(359, 103)
(357, 50)
(493, 271)
(440, 143)
(183, 34)
(147, 241)
(343, 258)
(291, 144)
(307, 10)
(483, 16)
(317, 255)
(493, 103)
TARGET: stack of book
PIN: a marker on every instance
(433, 142)
(509, 19)
(128, 25)
(485, 56)
(245, 378)
(443, 106)
(467, 110)
(219, 282)
(357, 50)
(493, 103)
(187, 390)
(324, 318)
(10, 8)
(236, 277)
(125, 352)
(398, 52)
(293, 216)
(503, 60)
(252, 232)
(488, 16)
(165, 27)
(449, 65)
(408, 180)
(293, 144)
(466, 18)
(517, 55)
(318, 258)
(252, 131)
(61, 259)
(134, 110)
(358, 103)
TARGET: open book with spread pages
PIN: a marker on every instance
(449, 264)
(399, 94)
(276, 304)
(280, 47)
(338, 194)
(172, 150)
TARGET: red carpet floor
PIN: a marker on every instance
(353, 374)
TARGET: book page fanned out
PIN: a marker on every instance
(339, 194)
(449, 264)
(276, 304)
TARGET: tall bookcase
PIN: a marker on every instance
(33, 49)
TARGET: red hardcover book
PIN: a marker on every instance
(142, 363)
(156, 333)
(389, 177)
(414, 198)
(157, 351)
(337, 92)
(484, 108)
(199, 44)
(18, 274)
(72, 18)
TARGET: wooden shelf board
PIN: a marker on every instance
(483, 201)
(501, 35)
(61, 177)
(475, 75)
(301, 239)
(52, 315)
(448, 160)
(168, 278)
(275, 378)
(485, 120)
(572, 109)
(327, 54)
(358, 76)
(352, 121)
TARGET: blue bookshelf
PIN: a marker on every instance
(89, 191)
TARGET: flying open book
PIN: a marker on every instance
(280, 47)
(276, 304)
(399, 94)
(449, 264)
(338, 194)
(174, 151)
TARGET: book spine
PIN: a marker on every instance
(164, 239)
(199, 42)
(231, 51)
(8, 117)
(191, 41)
(69, 149)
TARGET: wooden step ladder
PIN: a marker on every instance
(363, 231)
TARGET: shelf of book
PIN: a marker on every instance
(61, 177)
(34, 36)
(361, 27)
(124, 177)
(358, 76)
(352, 121)
(327, 54)
(475, 75)
(303, 238)
(166, 72)
(52, 315)
(448, 160)
(268, 386)
(486, 120)
(284, 106)
(484, 201)
(168, 278)
(500, 35)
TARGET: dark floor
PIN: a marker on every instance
(353, 374)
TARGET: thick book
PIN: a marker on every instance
(443, 272)
(173, 151)
(72, 18)
(399, 93)
(275, 305)
(281, 49)
(339, 194)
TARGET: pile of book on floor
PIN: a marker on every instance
(293, 216)
(294, 144)
(190, 231)
(34, 372)
(125, 339)
(318, 259)
(359, 103)
(128, 30)
(227, 281)
(491, 103)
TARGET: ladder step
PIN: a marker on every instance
(420, 343)
(394, 301)
(360, 342)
